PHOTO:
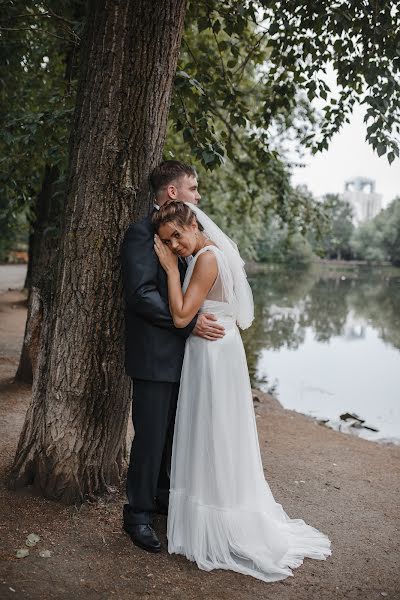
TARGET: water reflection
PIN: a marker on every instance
(299, 313)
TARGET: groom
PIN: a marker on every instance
(153, 358)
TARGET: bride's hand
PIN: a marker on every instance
(167, 258)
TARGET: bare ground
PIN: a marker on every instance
(345, 486)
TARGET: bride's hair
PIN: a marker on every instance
(175, 212)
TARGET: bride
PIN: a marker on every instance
(222, 513)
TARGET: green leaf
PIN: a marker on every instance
(202, 24)
(216, 26)
(381, 149)
(208, 157)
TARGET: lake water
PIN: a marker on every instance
(327, 342)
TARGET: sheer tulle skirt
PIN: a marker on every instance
(222, 514)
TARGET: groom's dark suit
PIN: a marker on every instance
(154, 350)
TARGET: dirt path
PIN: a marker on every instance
(345, 486)
(12, 276)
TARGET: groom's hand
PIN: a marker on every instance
(206, 327)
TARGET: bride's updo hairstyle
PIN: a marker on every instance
(175, 212)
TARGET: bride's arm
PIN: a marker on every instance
(184, 307)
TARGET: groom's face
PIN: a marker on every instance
(187, 189)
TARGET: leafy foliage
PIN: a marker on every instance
(336, 236)
(217, 117)
(247, 73)
(360, 40)
(379, 240)
(38, 56)
(278, 246)
(288, 44)
(246, 76)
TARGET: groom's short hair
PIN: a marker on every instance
(169, 171)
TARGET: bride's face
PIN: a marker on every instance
(182, 240)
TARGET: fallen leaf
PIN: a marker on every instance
(22, 552)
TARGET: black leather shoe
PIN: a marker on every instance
(144, 536)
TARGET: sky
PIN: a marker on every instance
(349, 155)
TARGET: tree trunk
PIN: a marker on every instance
(73, 440)
(28, 277)
(43, 247)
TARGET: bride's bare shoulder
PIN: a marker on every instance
(207, 257)
(205, 270)
(206, 260)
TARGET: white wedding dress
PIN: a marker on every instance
(222, 514)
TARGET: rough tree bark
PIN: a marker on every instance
(73, 440)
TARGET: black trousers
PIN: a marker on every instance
(148, 478)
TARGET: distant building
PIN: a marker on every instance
(360, 193)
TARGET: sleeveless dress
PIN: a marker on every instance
(222, 513)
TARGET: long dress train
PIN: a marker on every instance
(222, 514)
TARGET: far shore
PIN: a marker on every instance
(253, 267)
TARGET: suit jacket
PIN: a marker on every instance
(154, 347)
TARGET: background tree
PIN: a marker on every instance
(338, 229)
(367, 243)
(391, 231)
(39, 72)
(39, 52)
(217, 109)
(379, 239)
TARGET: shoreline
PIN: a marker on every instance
(272, 401)
(324, 265)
